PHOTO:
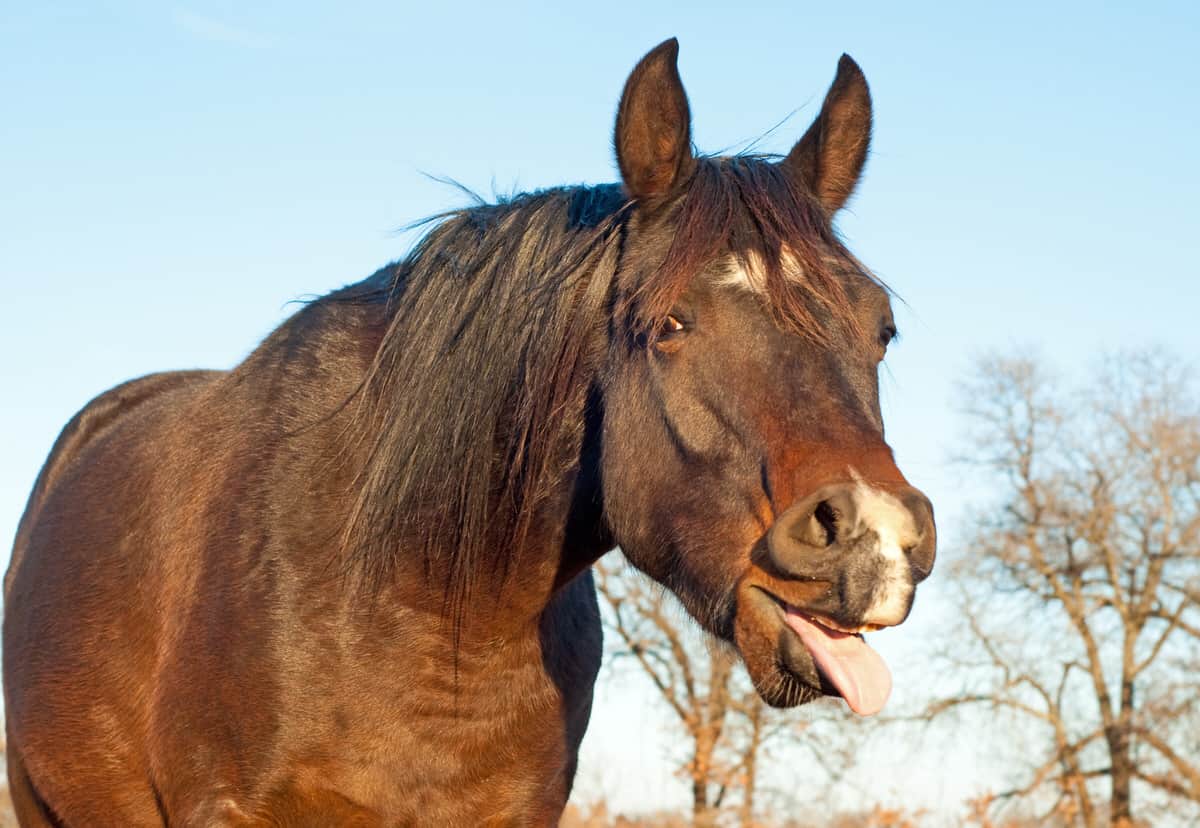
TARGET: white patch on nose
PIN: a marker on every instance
(896, 529)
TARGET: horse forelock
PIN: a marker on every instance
(781, 243)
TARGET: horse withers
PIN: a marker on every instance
(347, 581)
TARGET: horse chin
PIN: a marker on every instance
(781, 668)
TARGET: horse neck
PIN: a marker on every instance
(510, 589)
(509, 593)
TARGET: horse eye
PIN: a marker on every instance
(670, 325)
(888, 334)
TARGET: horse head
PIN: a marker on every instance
(744, 464)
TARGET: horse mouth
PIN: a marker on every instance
(844, 664)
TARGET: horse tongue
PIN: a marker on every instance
(847, 662)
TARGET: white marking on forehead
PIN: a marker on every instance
(749, 271)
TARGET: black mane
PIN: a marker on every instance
(483, 355)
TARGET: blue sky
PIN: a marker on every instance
(171, 176)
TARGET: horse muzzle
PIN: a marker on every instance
(842, 561)
(870, 546)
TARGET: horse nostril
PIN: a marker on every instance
(912, 555)
(919, 566)
(920, 556)
(826, 519)
(804, 541)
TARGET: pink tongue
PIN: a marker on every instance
(847, 662)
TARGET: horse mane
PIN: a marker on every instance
(484, 366)
(483, 352)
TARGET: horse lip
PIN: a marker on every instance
(817, 680)
(833, 625)
(794, 657)
(823, 620)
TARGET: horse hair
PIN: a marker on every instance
(483, 366)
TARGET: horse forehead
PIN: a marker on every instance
(747, 271)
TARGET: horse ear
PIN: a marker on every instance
(654, 130)
(829, 158)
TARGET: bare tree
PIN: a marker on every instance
(1080, 584)
(694, 681)
(728, 731)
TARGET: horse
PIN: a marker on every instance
(347, 582)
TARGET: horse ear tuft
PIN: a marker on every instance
(654, 131)
(829, 159)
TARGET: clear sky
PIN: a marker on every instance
(171, 176)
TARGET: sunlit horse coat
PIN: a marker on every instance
(346, 582)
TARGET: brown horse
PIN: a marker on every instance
(347, 582)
